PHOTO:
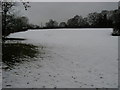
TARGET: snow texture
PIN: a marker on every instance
(74, 58)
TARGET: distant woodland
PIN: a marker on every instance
(12, 23)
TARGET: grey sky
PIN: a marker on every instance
(62, 11)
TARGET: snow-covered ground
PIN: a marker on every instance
(74, 58)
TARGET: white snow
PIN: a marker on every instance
(75, 58)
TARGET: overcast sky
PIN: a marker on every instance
(62, 11)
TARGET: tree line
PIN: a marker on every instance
(12, 23)
(104, 19)
(93, 20)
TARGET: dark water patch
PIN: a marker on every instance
(16, 53)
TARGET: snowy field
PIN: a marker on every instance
(74, 58)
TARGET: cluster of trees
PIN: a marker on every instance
(94, 20)
(116, 22)
(52, 24)
(33, 26)
(10, 22)
(104, 19)
(77, 21)
(99, 20)
(14, 24)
